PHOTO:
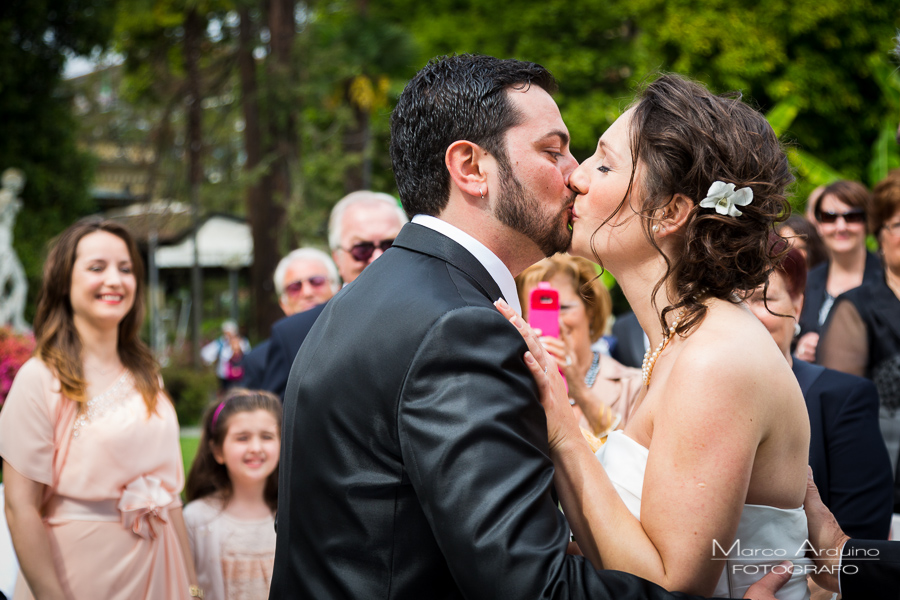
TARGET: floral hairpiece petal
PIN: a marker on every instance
(725, 199)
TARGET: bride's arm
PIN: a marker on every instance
(698, 472)
(695, 485)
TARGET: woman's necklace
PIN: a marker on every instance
(650, 359)
(593, 370)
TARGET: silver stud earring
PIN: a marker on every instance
(482, 192)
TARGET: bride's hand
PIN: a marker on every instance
(554, 398)
(561, 354)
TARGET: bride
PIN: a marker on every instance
(702, 491)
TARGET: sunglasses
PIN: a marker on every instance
(852, 216)
(363, 251)
(316, 281)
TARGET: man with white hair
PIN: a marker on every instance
(361, 227)
(303, 279)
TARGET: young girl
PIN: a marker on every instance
(232, 492)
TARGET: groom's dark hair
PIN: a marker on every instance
(454, 98)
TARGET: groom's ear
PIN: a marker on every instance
(676, 213)
(468, 164)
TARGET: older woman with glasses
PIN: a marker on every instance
(840, 211)
(863, 336)
(602, 391)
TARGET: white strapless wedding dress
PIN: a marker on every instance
(766, 535)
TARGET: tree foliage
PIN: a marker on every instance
(819, 55)
(818, 68)
(38, 126)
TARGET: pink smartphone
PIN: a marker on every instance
(543, 309)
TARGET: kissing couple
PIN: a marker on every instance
(423, 429)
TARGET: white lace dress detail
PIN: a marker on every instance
(110, 400)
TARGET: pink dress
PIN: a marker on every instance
(112, 474)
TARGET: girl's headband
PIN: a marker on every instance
(215, 416)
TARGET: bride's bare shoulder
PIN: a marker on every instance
(731, 353)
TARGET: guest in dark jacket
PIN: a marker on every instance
(303, 279)
(362, 225)
(631, 341)
(841, 212)
(863, 336)
(847, 453)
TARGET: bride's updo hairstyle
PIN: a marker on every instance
(685, 138)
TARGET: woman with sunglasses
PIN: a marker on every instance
(863, 336)
(840, 212)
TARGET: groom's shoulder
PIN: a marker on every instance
(407, 279)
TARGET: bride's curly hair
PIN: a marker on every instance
(685, 138)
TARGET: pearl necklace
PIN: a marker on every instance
(650, 359)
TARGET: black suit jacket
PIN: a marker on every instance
(870, 570)
(287, 335)
(847, 454)
(254, 364)
(414, 452)
(814, 296)
(629, 349)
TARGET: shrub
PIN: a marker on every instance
(14, 351)
(191, 391)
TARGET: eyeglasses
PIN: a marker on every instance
(855, 215)
(363, 251)
(316, 281)
(892, 228)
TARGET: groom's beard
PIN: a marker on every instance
(521, 211)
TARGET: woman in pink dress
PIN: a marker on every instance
(92, 463)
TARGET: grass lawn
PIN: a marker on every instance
(188, 451)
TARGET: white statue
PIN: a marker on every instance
(13, 285)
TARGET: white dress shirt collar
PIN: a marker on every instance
(494, 266)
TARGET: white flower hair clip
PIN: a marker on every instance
(725, 199)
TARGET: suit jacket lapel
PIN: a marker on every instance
(423, 240)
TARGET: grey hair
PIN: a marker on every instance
(362, 196)
(306, 254)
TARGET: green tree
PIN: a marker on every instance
(352, 65)
(590, 49)
(39, 130)
(816, 54)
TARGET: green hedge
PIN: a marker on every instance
(191, 391)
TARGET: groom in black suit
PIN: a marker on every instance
(414, 461)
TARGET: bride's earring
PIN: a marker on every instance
(655, 229)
